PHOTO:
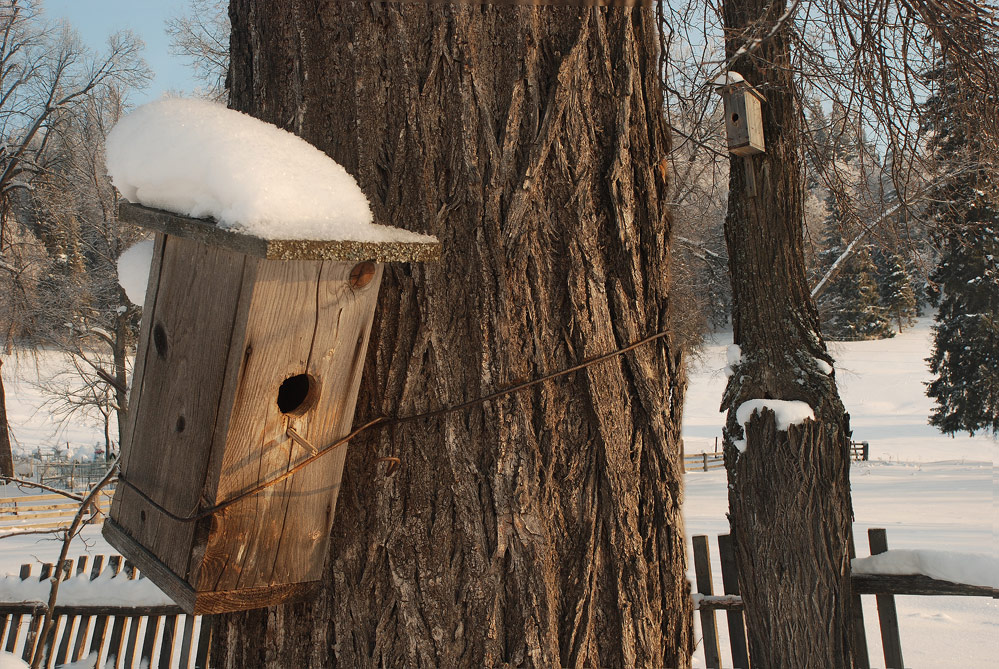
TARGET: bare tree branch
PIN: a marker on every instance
(41, 486)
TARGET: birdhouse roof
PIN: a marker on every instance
(207, 231)
(740, 84)
(200, 160)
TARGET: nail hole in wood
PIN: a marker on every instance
(181, 424)
(160, 340)
(297, 394)
(735, 118)
(142, 516)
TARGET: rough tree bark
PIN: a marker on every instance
(789, 491)
(543, 528)
(6, 457)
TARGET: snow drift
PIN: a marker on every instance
(970, 568)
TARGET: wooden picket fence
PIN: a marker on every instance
(884, 587)
(160, 636)
(47, 511)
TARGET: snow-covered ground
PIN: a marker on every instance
(32, 424)
(928, 490)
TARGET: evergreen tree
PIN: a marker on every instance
(898, 296)
(965, 358)
(852, 306)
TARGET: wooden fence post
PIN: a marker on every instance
(204, 642)
(861, 658)
(62, 654)
(14, 626)
(36, 618)
(80, 645)
(133, 623)
(704, 461)
(887, 613)
(101, 622)
(702, 570)
(116, 643)
(730, 583)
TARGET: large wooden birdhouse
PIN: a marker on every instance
(248, 364)
(743, 118)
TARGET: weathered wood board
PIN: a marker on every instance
(176, 391)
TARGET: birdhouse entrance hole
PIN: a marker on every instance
(296, 394)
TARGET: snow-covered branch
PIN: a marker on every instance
(837, 265)
(700, 250)
(834, 269)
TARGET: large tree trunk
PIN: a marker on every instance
(789, 491)
(541, 528)
(6, 457)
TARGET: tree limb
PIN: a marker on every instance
(41, 486)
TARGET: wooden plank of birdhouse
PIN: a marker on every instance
(280, 535)
(207, 232)
(337, 356)
(280, 328)
(190, 324)
(139, 365)
(285, 503)
(195, 229)
(754, 120)
(195, 603)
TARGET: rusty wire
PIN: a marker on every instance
(381, 422)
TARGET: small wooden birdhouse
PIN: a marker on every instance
(249, 363)
(743, 118)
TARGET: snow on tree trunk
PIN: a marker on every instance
(541, 528)
(789, 492)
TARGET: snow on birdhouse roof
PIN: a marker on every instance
(201, 160)
(728, 79)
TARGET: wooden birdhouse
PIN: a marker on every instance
(743, 118)
(249, 362)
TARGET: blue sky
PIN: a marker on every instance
(95, 20)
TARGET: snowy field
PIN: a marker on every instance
(928, 490)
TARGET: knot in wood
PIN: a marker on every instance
(362, 274)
